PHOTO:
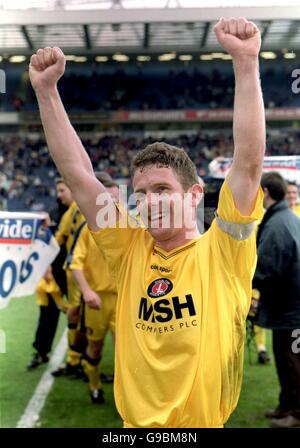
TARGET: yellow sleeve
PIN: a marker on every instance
(80, 251)
(233, 235)
(41, 293)
(114, 241)
(228, 211)
(60, 302)
(51, 286)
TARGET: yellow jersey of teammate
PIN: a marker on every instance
(181, 320)
(296, 210)
(68, 227)
(88, 258)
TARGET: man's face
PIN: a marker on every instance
(64, 194)
(161, 201)
(292, 195)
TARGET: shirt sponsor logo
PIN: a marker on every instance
(165, 310)
(159, 288)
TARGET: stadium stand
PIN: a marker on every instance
(91, 87)
(27, 182)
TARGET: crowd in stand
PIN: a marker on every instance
(138, 88)
(27, 172)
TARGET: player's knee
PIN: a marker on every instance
(73, 315)
(94, 349)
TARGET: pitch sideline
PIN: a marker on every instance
(37, 401)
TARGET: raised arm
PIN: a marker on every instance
(241, 39)
(70, 157)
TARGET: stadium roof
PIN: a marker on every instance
(136, 26)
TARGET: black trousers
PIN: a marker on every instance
(46, 328)
(288, 371)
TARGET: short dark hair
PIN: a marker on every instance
(59, 180)
(276, 185)
(164, 155)
(106, 179)
(293, 184)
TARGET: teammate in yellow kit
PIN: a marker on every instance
(259, 332)
(182, 298)
(68, 226)
(98, 288)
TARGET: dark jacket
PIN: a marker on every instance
(277, 274)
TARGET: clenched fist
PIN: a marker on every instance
(92, 299)
(46, 67)
(238, 37)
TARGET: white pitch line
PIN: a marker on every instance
(37, 401)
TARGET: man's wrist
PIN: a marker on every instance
(45, 93)
(86, 291)
(245, 62)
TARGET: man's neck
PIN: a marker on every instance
(178, 240)
(269, 203)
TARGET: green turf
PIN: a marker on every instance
(18, 320)
(259, 392)
(68, 404)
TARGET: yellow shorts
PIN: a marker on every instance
(98, 322)
(74, 293)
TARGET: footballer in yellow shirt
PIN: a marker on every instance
(182, 298)
(69, 226)
(90, 270)
(181, 320)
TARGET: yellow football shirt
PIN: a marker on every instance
(69, 224)
(181, 322)
(68, 227)
(296, 209)
(88, 258)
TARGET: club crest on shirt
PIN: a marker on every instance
(159, 287)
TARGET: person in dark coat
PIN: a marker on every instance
(49, 290)
(277, 280)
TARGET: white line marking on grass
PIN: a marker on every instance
(37, 401)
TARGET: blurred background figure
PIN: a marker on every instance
(277, 283)
(51, 288)
(50, 300)
(69, 227)
(292, 197)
